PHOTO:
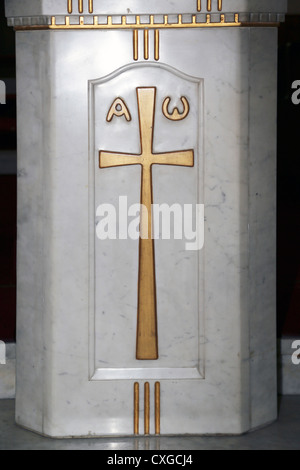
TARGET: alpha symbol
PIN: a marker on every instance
(118, 108)
(176, 115)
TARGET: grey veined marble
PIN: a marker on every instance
(77, 294)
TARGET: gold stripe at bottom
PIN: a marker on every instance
(136, 407)
(157, 408)
(147, 408)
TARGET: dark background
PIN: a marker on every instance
(288, 198)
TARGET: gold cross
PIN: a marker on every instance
(147, 338)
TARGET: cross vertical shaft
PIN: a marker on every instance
(147, 337)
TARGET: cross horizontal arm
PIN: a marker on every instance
(184, 158)
(111, 159)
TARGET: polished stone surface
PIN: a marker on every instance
(77, 295)
(77, 299)
(281, 435)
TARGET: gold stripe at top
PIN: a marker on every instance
(91, 6)
(156, 44)
(146, 44)
(135, 44)
(70, 6)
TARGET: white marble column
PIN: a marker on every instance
(77, 368)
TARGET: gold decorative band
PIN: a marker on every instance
(138, 24)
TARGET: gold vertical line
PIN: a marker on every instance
(220, 7)
(135, 44)
(52, 20)
(91, 6)
(147, 408)
(80, 6)
(146, 44)
(156, 44)
(236, 18)
(157, 408)
(208, 5)
(67, 21)
(198, 5)
(70, 7)
(136, 407)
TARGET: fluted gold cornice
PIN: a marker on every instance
(81, 23)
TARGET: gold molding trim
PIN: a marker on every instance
(110, 25)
